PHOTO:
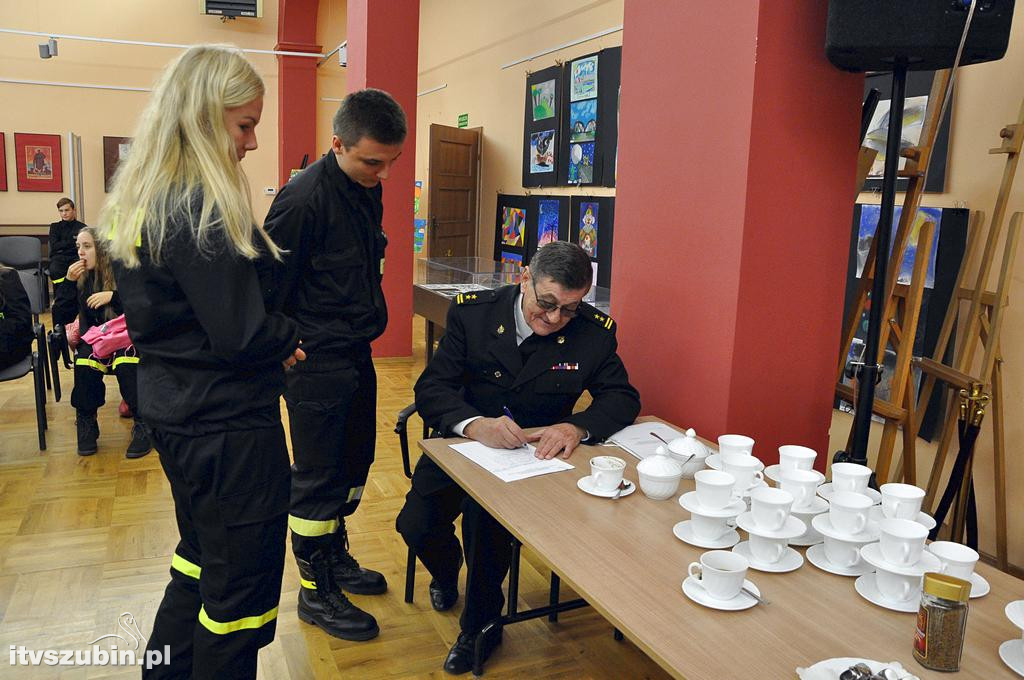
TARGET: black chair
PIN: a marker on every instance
(58, 349)
(25, 254)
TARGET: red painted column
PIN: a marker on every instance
(296, 95)
(738, 147)
(383, 49)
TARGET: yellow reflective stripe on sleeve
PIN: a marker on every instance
(225, 627)
(60, 280)
(355, 494)
(310, 585)
(92, 363)
(125, 360)
(312, 527)
(179, 563)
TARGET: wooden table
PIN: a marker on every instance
(622, 557)
(433, 307)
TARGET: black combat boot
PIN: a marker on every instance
(347, 572)
(88, 432)
(140, 444)
(323, 604)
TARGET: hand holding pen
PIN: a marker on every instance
(498, 433)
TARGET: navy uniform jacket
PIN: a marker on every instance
(477, 370)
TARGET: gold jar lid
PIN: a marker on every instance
(947, 587)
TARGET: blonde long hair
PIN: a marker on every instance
(181, 147)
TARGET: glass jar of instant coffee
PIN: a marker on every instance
(941, 622)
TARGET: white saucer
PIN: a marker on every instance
(714, 461)
(1015, 612)
(691, 504)
(1012, 654)
(980, 588)
(866, 588)
(695, 591)
(872, 554)
(792, 528)
(774, 473)
(825, 491)
(816, 556)
(823, 525)
(684, 533)
(817, 506)
(808, 538)
(923, 518)
(791, 560)
(586, 486)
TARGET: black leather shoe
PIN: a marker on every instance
(444, 596)
(460, 658)
(139, 445)
(349, 575)
(322, 604)
(88, 431)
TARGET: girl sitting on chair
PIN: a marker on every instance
(15, 319)
(96, 304)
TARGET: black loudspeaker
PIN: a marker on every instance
(870, 35)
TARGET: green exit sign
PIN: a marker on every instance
(463, 120)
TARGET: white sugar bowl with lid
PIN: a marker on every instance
(659, 475)
(690, 449)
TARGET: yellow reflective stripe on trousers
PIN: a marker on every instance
(92, 363)
(125, 360)
(310, 585)
(60, 280)
(225, 627)
(355, 494)
(312, 527)
(187, 568)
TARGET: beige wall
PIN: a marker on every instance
(330, 77)
(464, 43)
(988, 97)
(93, 113)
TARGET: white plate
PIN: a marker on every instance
(872, 554)
(816, 556)
(791, 529)
(587, 486)
(817, 506)
(823, 525)
(695, 591)
(1012, 654)
(791, 560)
(806, 539)
(714, 461)
(833, 668)
(923, 518)
(691, 504)
(1015, 612)
(866, 588)
(825, 491)
(684, 532)
(980, 587)
(774, 473)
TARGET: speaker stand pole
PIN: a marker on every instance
(868, 372)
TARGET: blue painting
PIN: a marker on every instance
(583, 121)
(869, 215)
(542, 151)
(583, 79)
(547, 222)
(581, 163)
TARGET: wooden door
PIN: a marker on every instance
(452, 183)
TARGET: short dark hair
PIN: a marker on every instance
(565, 263)
(65, 201)
(370, 113)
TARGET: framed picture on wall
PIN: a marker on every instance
(3, 163)
(115, 150)
(38, 162)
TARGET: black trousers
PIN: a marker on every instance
(89, 392)
(427, 523)
(230, 493)
(332, 420)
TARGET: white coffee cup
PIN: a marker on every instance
(793, 457)
(802, 485)
(850, 477)
(767, 550)
(735, 443)
(848, 511)
(606, 472)
(770, 507)
(714, 488)
(720, 572)
(746, 469)
(957, 559)
(897, 587)
(840, 552)
(901, 501)
(709, 528)
(901, 541)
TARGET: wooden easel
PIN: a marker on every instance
(898, 411)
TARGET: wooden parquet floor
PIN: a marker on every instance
(83, 539)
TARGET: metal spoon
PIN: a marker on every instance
(658, 437)
(623, 485)
(754, 595)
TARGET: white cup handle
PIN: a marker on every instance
(802, 492)
(861, 523)
(779, 549)
(906, 591)
(780, 515)
(905, 549)
(758, 476)
(690, 570)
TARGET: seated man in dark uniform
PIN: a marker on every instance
(511, 358)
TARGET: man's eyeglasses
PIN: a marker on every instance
(547, 306)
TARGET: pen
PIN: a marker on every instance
(508, 413)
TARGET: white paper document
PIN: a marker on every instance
(637, 438)
(509, 465)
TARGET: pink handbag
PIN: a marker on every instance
(109, 337)
(71, 331)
